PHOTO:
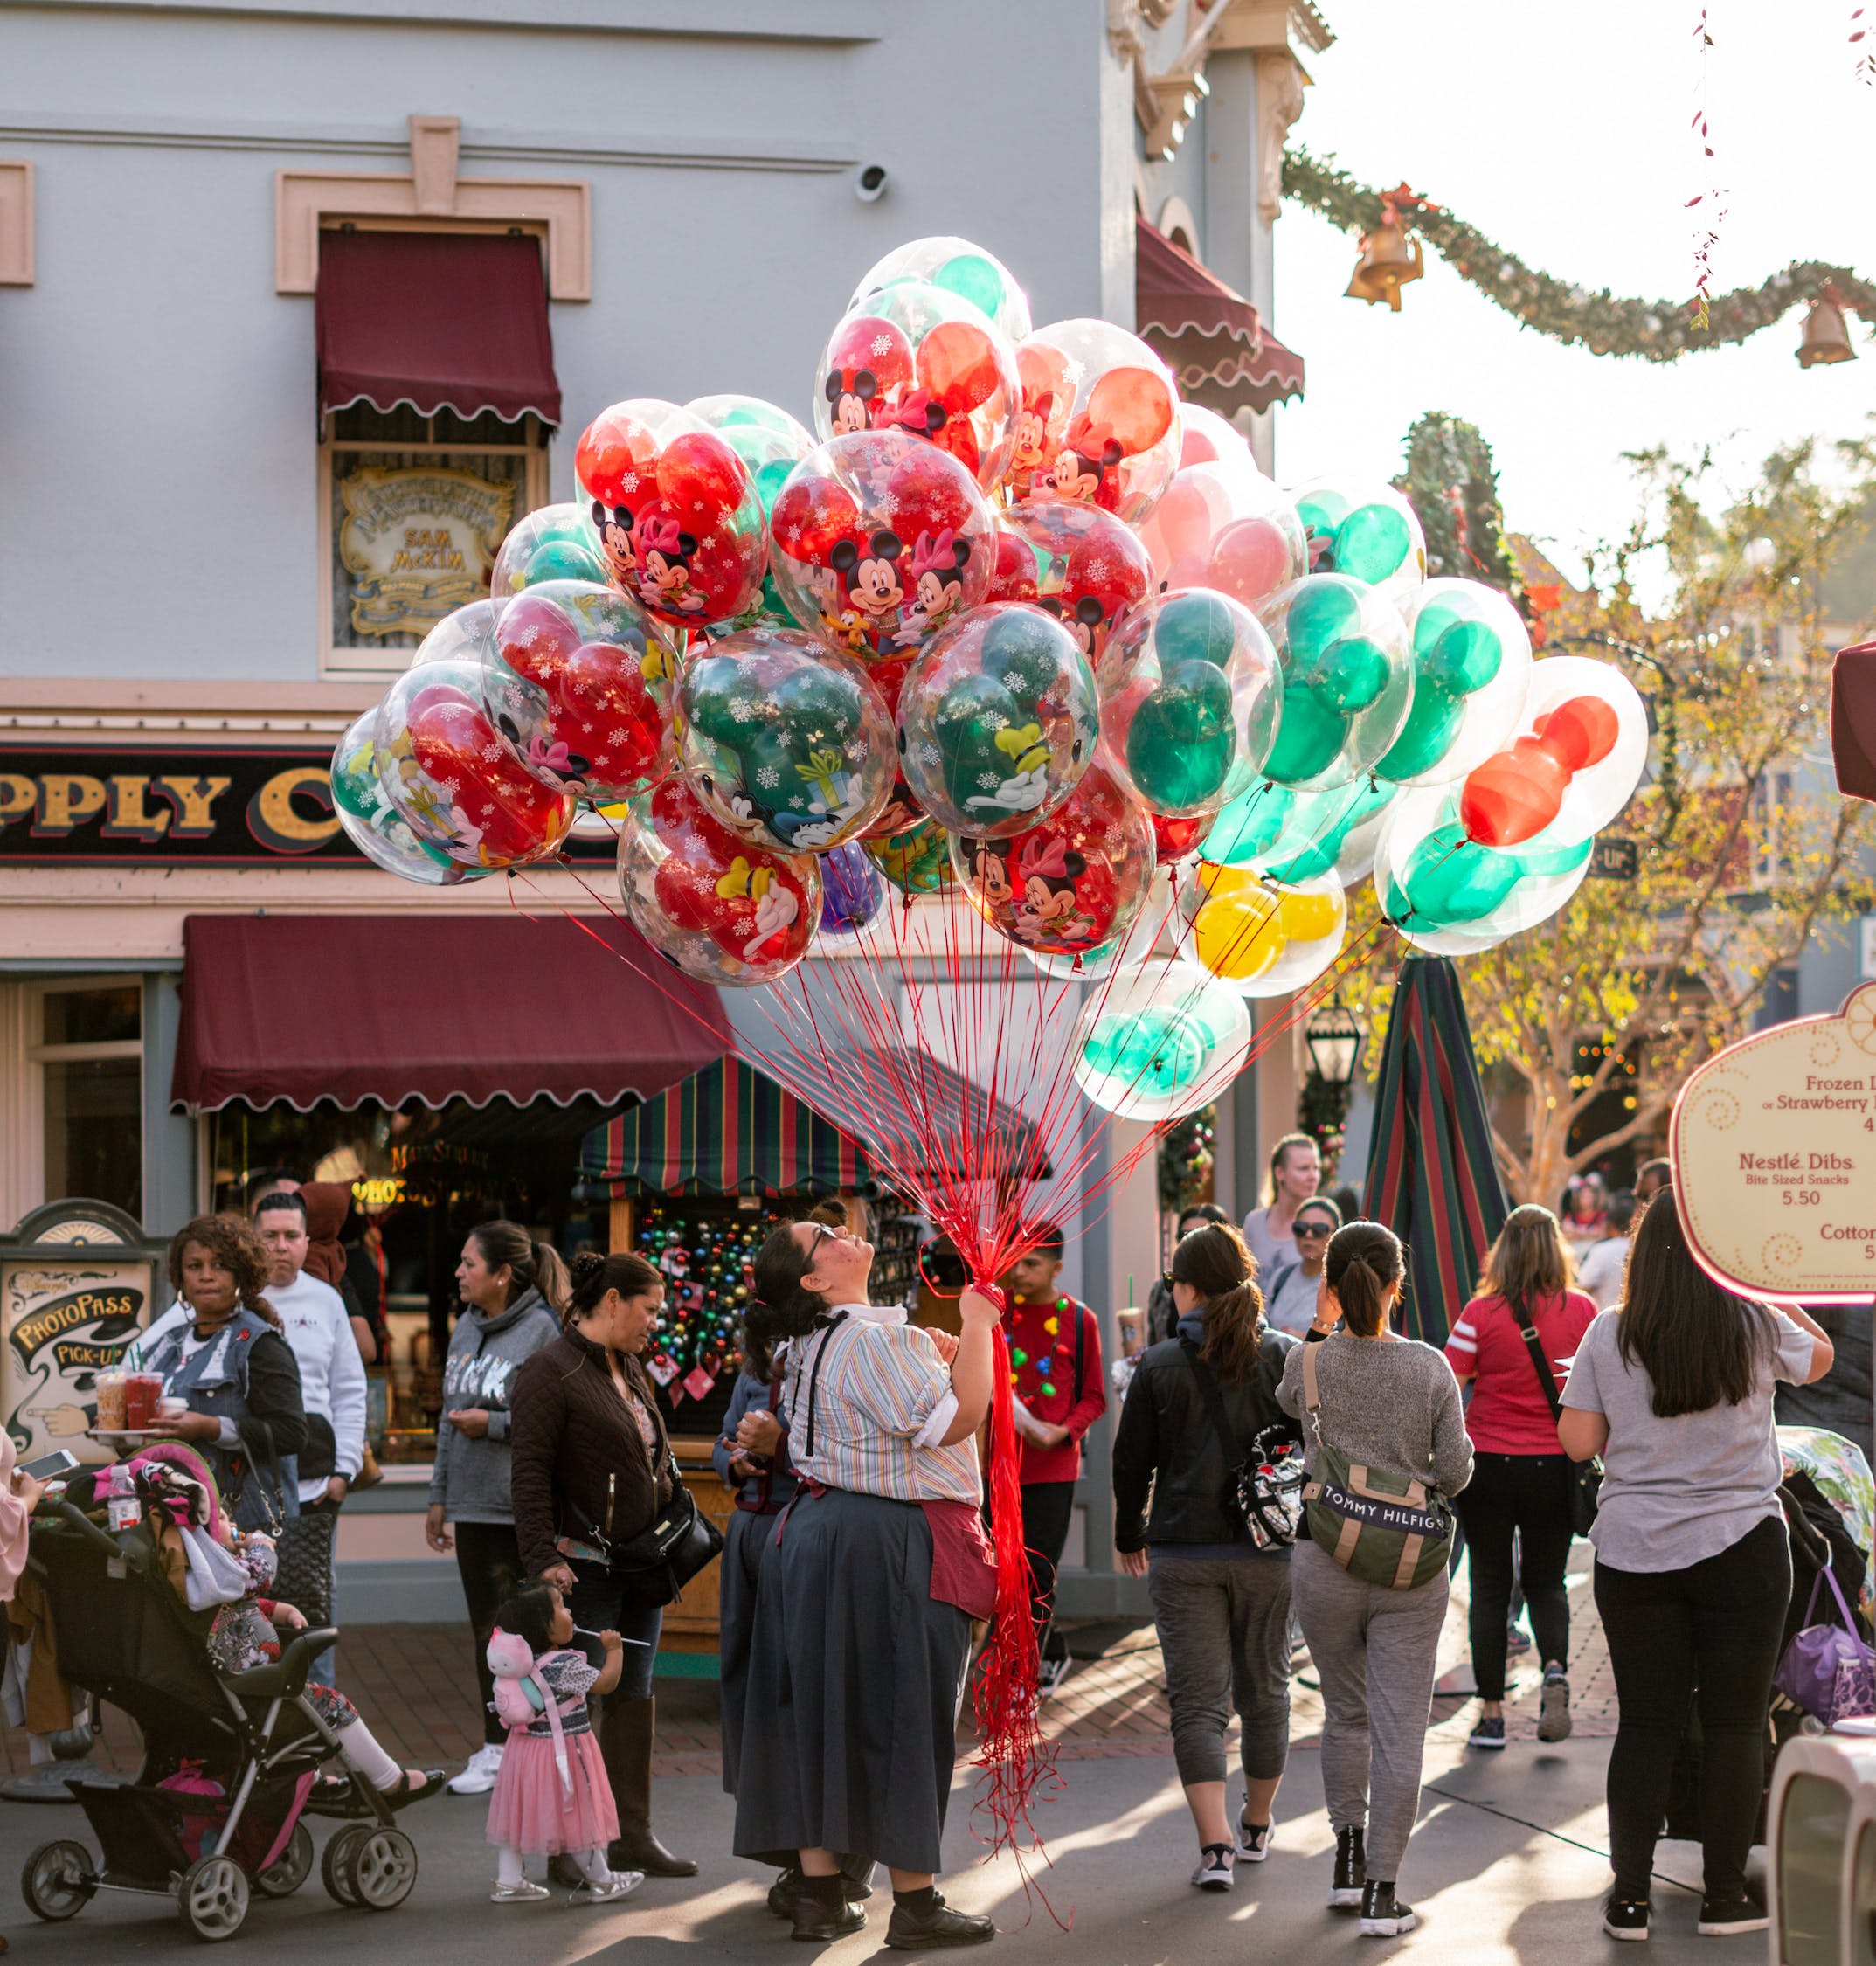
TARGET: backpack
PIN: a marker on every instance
(1379, 1527)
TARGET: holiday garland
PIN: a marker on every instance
(1602, 322)
(1453, 487)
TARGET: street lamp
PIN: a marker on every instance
(1334, 1042)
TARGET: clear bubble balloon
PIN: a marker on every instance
(1190, 698)
(854, 892)
(1158, 913)
(917, 359)
(551, 543)
(581, 685)
(722, 909)
(371, 822)
(678, 520)
(1348, 680)
(1294, 836)
(1160, 1041)
(1208, 438)
(880, 539)
(959, 267)
(788, 742)
(1224, 525)
(462, 635)
(771, 443)
(1368, 532)
(1471, 667)
(998, 721)
(1175, 839)
(1099, 421)
(1263, 937)
(1077, 562)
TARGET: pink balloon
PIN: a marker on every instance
(1251, 559)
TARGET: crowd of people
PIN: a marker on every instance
(1294, 1478)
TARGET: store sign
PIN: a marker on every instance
(143, 806)
(1774, 1145)
(419, 544)
(1614, 860)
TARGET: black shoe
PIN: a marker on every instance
(645, 1853)
(1625, 1918)
(786, 1889)
(816, 1920)
(1383, 1915)
(934, 1924)
(1351, 1869)
(1721, 1917)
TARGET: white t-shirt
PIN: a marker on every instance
(315, 1322)
(1599, 1274)
(1273, 1252)
(1293, 1308)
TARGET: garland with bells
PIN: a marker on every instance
(1603, 322)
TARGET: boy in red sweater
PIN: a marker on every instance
(1061, 1391)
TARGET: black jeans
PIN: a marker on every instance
(488, 1561)
(1707, 1634)
(1525, 1497)
(1048, 1509)
(600, 1603)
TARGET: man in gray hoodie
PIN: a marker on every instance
(508, 1285)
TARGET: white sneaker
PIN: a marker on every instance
(479, 1776)
(618, 1884)
(1253, 1844)
(524, 1892)
(1214, 1873)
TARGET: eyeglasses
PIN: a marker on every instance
(821, 1233)
(1168, 1278)
(1313, 1230)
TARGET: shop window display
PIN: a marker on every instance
(88, 1050)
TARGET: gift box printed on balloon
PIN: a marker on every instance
(1348, 680)
(1076, 562)
(879, 540)
(957, 267)
(998, 721)
(678, 520)
(786, 741)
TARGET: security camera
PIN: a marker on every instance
(869, 183)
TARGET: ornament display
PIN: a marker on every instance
(1223, 525)
(1076, 562)
(372, 823)
(880, 540)
(959, 267)
(707, 1258)
(1099, 421)
(722, 910)
(1348, 680)
(786, 741)
(1160, 1040)
(1264, 937)
(1471, 667)
(998, 720)
(1368, 532)
(551, 543)
(580, 684)
(678, 518)
(1190, 698)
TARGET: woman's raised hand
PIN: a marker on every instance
(974, 1308)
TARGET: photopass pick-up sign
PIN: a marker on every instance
(143, 806)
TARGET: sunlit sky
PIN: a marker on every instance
(1563, 134)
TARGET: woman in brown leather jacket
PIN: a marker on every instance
(592, 1469)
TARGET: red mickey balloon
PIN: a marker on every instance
(1174, 839)
(1516, 793)
(500, 815)
(1084, 565)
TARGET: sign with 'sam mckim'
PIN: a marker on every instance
(1774, 1145)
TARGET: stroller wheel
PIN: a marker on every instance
(381, 1869)
(212, 1897)
(291, 1868)
(57, 1880)
(334, 1868)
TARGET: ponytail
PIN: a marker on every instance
(1363, 1266)
(531, 1266)
(1214, 1261)
(778, 1306)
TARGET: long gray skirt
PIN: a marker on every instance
(747, 1540)
(850, 1716)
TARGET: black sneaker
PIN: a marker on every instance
(1351, 1869)
(1721, 1917)
(1214, 1873)
(1625, 1918)
(786, 1889)
(1383, 1915)
(817, 1921)
(1487, 1734)
(1553, 1706)
(937, 1924)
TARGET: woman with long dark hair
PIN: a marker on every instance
(1390, 1405)
(1519, 1494)
(1220, 1605)
(512, 1289)
(593, 1471)
(1692, 1561)
(861, 1636)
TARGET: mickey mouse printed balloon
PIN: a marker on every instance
(957, 267)
(1075, 562)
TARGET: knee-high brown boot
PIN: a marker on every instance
(625, 1731)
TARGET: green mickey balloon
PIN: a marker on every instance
(1312, 842)
(1247, 828)
(1446, 881)
(1370, 533)
(1182, 741)
(1347, 679)
(1195, 627)
(1457, 653)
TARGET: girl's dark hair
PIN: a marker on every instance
(1700, 1345)
(624, 1271)
(1529, 1260)
(1203, 1211)
(1214, 1261)
(531, 1266)
(778, 1306)
(1363, 1266)
(1323, 1204)
(530, 1615)
(237, 1248)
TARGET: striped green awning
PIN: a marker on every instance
(726, 1129)
(1432, 1177)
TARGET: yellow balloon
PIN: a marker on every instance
(1240, 936)
(1308, 918)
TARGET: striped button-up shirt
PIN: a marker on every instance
(882, 1404)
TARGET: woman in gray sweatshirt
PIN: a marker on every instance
(1390, 1404)
(513, 1292)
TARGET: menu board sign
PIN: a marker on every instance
(1774, 1145)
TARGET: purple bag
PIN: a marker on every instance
(1827, 1672)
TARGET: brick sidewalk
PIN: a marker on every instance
(412, 1684)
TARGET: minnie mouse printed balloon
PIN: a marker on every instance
(1076, 562)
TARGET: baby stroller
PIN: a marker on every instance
(232, 1761)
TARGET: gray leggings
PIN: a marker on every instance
(1224, 1631)
(1374, 1650)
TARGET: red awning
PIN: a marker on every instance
(441, 321)
(1219, 350)
(1853, 720)
(349, 1007)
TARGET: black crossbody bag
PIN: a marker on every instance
(1266, 1487)
(1586, 1477)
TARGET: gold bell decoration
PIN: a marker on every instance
(1826, 338)
(1388, 260)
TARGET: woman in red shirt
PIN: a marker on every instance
(1520, 1488)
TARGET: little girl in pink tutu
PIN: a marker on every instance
(552, 1794)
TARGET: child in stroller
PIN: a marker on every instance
(163, 1615)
